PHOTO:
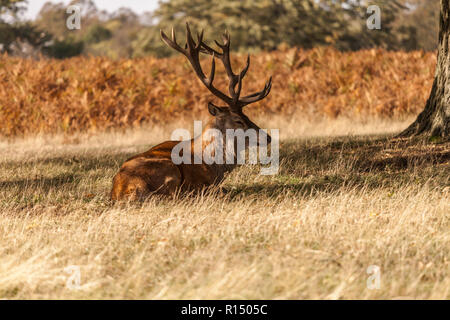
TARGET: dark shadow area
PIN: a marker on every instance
(78, 162)
(309, 167)
(322, 166)
(272, 190)
(364, 154)
(41, 182)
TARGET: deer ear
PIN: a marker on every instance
(213, 109)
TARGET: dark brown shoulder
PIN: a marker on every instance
(165, 146)
(162, 150)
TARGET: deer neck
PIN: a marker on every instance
(209, 141)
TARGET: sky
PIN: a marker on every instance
(138, 6)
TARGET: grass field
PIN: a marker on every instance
(346, 197)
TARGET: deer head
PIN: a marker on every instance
(231, 115)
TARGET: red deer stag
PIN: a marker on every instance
(154, 171)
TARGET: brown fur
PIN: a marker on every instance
(153, 171)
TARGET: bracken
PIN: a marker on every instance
(96, 94)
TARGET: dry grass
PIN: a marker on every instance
(337, 206)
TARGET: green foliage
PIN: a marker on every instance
(52, 18)
(254, 25)
(424, 21)
(97, 33)
(14, 35)
(64, 48)
(148, 41)
(12, 30)
(265, 24)
(11, 7)
(111, 37)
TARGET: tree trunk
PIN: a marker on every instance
(434, 119)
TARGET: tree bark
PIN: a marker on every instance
(434, 119)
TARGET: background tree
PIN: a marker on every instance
(123, 26)
(101, 33)
(16, 37)
(65, 43)
(392, 35)
(255, 25)
(265, 24)
(423, 19)
(435, 118)
(11, 7)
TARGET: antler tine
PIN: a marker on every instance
(244, 71)
(200, 40)
(189, 40)
(237, 93)
(235, 79)
(254, 97)
(208, 50)
(172, 43)
(218, 44)
(226, 58)
(192, 51)
(174, 38)
(213, 70)
(226, 38)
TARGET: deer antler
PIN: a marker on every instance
(192, 51)
(236, 79)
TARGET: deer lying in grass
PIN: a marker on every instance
(154, 171)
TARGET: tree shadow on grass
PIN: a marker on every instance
(319, 166)
(277, 189)
(42, 183)
(80, 163)
(365, 154)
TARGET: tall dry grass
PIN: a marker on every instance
(337, 206)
